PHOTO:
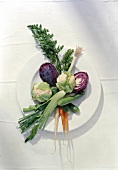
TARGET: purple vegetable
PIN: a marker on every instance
(48, 73)
(81, 81)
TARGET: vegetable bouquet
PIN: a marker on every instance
(58, 89)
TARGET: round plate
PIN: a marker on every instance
(87, 103)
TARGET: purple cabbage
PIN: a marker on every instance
(48, 73)
(81, 81)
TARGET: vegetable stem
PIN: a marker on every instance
(76, 54)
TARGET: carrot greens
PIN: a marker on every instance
(49, 46)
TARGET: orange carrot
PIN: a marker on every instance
(66, 122)
(64, 119)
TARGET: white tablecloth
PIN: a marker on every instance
(93, 25)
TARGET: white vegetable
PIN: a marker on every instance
(76, 54)
(66, 82)
(41, 92)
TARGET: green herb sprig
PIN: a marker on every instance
(67, 59)
(47, 44)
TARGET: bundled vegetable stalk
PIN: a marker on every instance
(58, 89)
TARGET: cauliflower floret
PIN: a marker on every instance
(41, 92)
(66, 82)
(62, 77)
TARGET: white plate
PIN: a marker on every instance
(87, 104)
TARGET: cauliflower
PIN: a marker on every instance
(41, 92)
(66, 82)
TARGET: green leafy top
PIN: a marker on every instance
(47, 44)
(67, 59)
(50, 49)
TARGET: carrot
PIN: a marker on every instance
(65, 124)
(56, 123)
(56, 126)
(64, 119)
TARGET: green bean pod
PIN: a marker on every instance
(73, 108)
(70, 99)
